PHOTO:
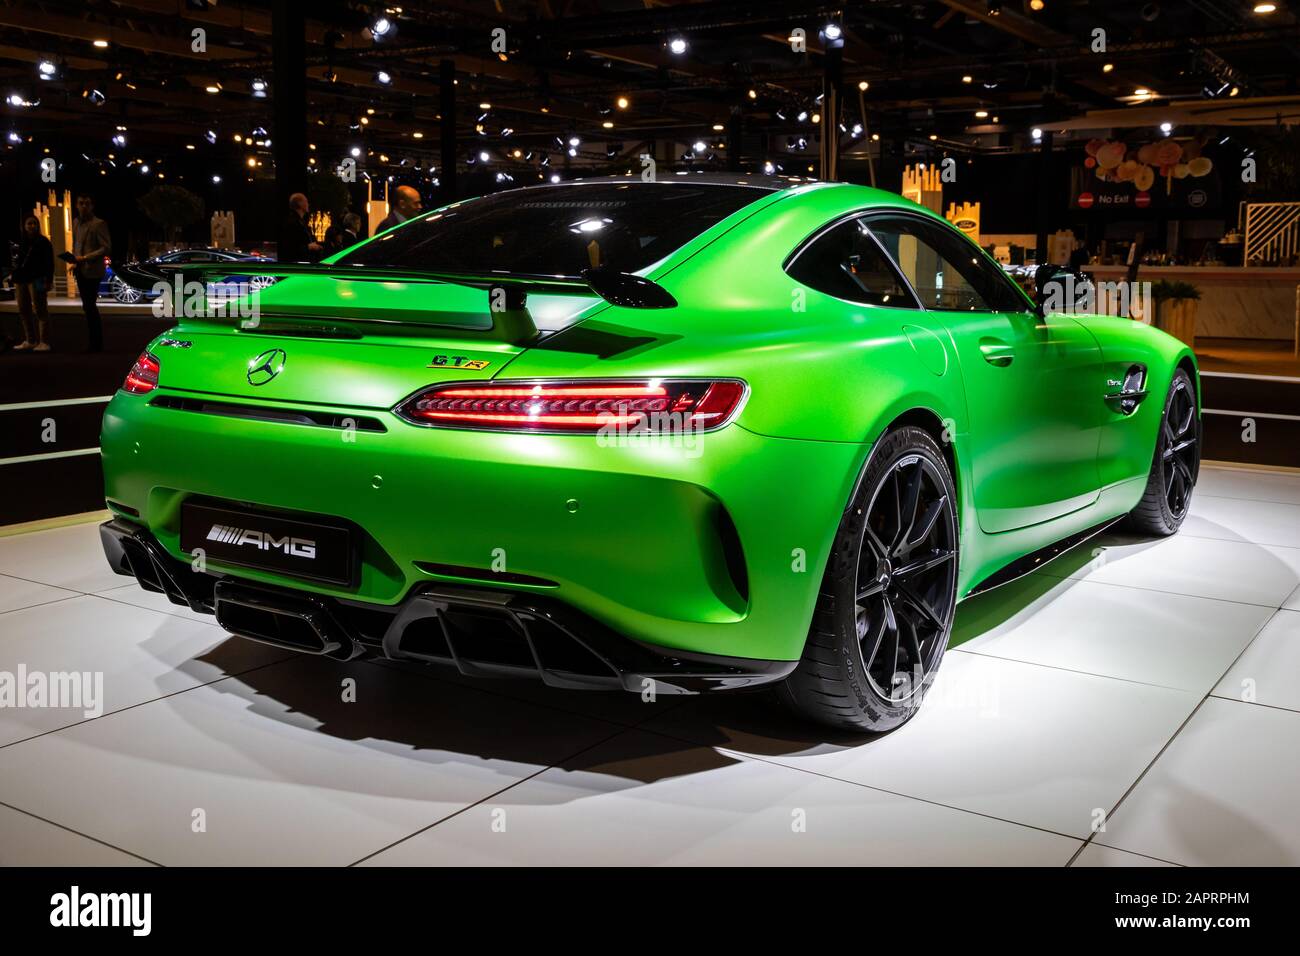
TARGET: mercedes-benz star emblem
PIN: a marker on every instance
(266, 366)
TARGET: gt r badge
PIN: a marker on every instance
(457, 361)
(266, 366)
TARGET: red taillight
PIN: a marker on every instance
(143, 376)
(656, 405)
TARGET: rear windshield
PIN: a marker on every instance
(559, 230)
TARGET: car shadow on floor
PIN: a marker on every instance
(437, 714)
(440, 717)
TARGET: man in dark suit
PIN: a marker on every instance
(342, 235)
(406, 203)
(297, 244)
(91, 246)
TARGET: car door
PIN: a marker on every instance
(1031, 381)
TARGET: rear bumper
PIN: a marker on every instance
(482, 633)
(714, 550)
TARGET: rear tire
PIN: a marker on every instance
(1175, 465)
(887, 600)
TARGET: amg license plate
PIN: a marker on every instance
(254, 539)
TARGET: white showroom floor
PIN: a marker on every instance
(1149, 691)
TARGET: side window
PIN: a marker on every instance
(847, 263)
(947, 272)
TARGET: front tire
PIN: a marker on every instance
(1174, 466)
(887, 601)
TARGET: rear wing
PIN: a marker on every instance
(506, 299)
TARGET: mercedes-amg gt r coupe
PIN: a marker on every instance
(705, 432)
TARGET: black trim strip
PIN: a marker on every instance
(1037, 559)
(265, 413)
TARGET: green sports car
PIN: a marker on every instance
(663, 436)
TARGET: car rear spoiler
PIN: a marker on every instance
(507, 295)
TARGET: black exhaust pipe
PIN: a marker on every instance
(293, 622)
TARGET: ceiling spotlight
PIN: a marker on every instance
(863, 86)
(258, 86)
(1036, 5)
(383, 77)
(15, 99)
(94, 96)
(622, 102)
(555, 177)
(100, 44)
(677, 46)
(1141, 91)
(144, 169)
(1036, 133)
(213, 87)
(832, 31)
(14, 137)
(995, 7)
(803, 116)
(607, 124)
(753, 94)
(119, 140)
(355, 151)
(1264, 9)
(485, 105)
(381, 27)
(699, 146)
(47, 70)
(216, 179)
(574, 141)
(981, 114)
(857, 129)
(1166, 128)
(483, 156)
(1234, 91)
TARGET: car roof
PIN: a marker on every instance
(691, 178)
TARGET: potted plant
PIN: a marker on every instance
(1175, 309)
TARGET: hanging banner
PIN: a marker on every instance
(1165, 177)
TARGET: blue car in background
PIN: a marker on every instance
(134, 282)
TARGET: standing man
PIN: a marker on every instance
(343, 234)
(91, 245)
(406, 203)
(297, 244)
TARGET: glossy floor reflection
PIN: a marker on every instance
(1134, 703)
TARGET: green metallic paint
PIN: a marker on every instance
(1037, 455)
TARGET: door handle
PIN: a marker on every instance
(996, 352)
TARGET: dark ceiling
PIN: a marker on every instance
(565, 64)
